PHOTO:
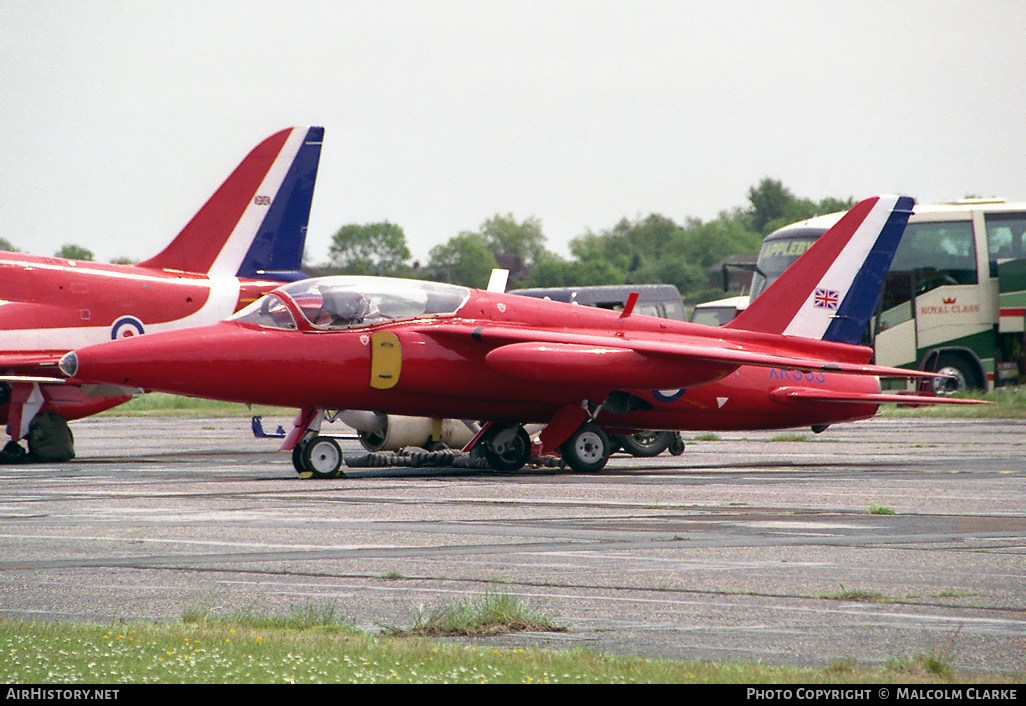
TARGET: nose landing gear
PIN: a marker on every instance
(321, 456)
(507, 448)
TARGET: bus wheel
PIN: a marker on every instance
(963, 376)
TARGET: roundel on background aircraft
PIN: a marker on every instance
(669, 395)
(126, 327)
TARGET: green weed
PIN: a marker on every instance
(855, 594)
(492, 614)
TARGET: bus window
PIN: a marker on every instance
(930, 255)
(778, 254)
(1005, 236)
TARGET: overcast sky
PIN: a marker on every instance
(120, 118)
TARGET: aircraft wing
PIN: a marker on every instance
(555, 356)
(798, 394)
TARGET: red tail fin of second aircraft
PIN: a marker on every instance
(831, 291)
(255, 223)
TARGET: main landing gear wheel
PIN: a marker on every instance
(507, 449)
(645, 444)
(321, 456)
(587, 449)
(50, 439)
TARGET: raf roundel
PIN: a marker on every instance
(126, 327)
(669, 395)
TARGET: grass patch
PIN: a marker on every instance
(707, 437)
(880, 510)
(240, 651)
(938, 663)
(846, 665)
(790, 437)
(855, 594)
(490, 615)
(308, 616)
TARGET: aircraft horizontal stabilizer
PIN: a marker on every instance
(795, 395)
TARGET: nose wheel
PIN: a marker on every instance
(321, 456)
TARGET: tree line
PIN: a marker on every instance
(650, 250)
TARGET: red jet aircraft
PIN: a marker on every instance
(244, 242)
(436, 350)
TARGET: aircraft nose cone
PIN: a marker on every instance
(190, 362)
(69, 364)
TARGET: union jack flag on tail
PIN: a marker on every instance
(825, 299)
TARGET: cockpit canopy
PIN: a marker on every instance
(349, 302)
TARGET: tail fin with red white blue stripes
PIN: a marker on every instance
(254, 226)
(831, 291)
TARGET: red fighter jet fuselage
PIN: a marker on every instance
(425, 349)
(502, 358)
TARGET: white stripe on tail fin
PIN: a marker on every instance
(831, 291)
